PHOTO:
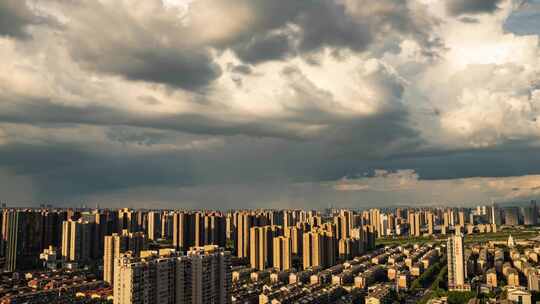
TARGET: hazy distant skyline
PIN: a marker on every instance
(258, 103)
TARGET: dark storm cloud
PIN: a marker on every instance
(334, 24)
(513, 158)
(359, 25)
(107, 39)
(464, 7)
(272, 46)
(321, 23)
(45, 112)
(15, 17)
(67, 170)
(377, 137)
(327, 23)
(190, 70)
(187, 69)
(159, 48)
(63, 171)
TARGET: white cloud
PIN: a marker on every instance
(484, 86)
(408, 185)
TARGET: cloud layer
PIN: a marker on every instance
(114, 101)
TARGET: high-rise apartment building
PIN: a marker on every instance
(261, 240)
(214, 230)
(446, 222)
(375, 220)
(199, 229)
(319, 249)
(117, 244)
(52, 227)
(410, 222)
(183, 230)
(202, 276)
(243, 225)
(296, 236)
(461, 218)
(343, 226)
(288, 219)
(22, 236)
(230, 228)
(153, 226)
(413, 219)
(145, 280)
(495, 215)
(511, 216)
(430, 219)
(530, 214)
(260, 255)
(282, 255)
(76, 240)
(349, 248)
(167, 229)
(102, 227)
(385, 224)
(127, 220)
(457, 272)
(208, 268)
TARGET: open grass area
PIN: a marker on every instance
(405, 240)
(501, 236)
(517, 234)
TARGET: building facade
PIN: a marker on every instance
(202, 276)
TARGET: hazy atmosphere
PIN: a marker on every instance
(258, 103)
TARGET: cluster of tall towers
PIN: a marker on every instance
(296, 238)
(27, 232)
(81, 235)
(416, 222)
(266, 238)
(200, 243)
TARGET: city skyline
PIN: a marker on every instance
(437, 255)
(224, 104)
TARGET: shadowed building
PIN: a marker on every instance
(282, 253)
(116, 245)
(23, 239)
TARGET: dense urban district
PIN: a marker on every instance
(486, 254)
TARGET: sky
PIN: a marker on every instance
(269, 104)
